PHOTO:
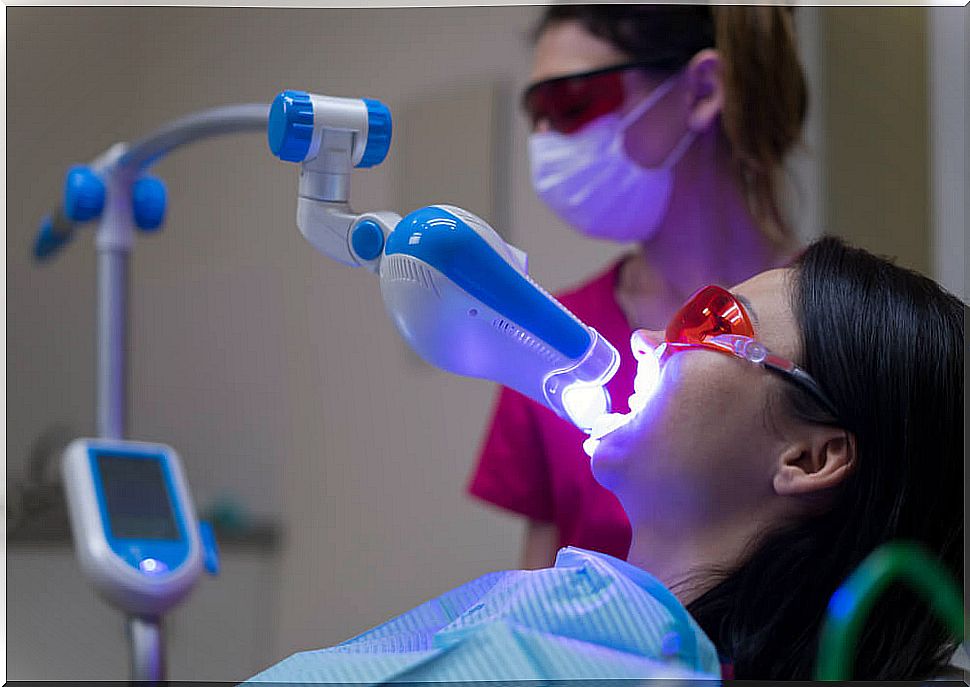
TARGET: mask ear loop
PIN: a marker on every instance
(677, 152)
(673, 157)
(649, 101)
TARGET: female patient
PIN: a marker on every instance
(754, 486)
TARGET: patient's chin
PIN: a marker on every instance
(608, 465)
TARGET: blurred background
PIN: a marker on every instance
(332, 460)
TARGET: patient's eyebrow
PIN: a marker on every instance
(747, 306)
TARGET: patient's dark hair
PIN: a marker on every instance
(887, 346)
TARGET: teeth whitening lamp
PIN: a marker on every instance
(458, 294)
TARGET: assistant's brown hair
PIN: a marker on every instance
(766, 99)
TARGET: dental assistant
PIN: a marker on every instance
(666, 127)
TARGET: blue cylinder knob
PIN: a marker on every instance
(367, 240)
(290, 129)
(379, 128)
(148, 198)
(83, 194)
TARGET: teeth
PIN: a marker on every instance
(602, 426)
(648, 372)
(605, 424)
(644, 384)
(637, 402)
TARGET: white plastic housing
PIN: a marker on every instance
(452, 330)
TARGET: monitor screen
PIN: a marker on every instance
(136, 495)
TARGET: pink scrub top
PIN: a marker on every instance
(533, 463)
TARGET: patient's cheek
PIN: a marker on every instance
(693, 397)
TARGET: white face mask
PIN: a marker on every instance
(590, 182)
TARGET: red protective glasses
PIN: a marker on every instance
(568, 103)
(714, 318)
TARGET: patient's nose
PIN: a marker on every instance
(644, 341)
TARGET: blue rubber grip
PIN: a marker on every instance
(148, 200)
(48, 243)
(210, 550)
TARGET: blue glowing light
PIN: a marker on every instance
(585, 402)
(842, 603)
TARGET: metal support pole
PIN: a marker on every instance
(112, 342)
(147, 649)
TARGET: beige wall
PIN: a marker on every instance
(875, 94)
(948, 34)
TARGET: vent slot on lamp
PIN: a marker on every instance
(398, 268)
(526, 339)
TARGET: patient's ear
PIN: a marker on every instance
(815, 463)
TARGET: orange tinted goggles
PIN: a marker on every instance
(568, 103)
(714, 318)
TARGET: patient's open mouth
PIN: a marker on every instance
(644, 385)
